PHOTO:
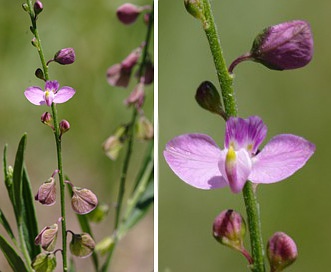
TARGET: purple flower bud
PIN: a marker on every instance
(82, 245)
(281, 251)
(40, 74)
(64, 127)
(144, 128)
(44, 262)
(47, 119)
(229, 229)
(148, 77)
(83, 200)
(128, 13)
(284, 46)
(46, 194)
(38, 7)
(137, 96)
(131, 60)
(208, 98)
(117, 76)
(47, 237)
(65, 56)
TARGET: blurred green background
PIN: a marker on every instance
(100, 40)
(296, 102)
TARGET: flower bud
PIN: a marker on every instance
(37, 7)
(83, 200)
(44, 262)
(117, 76)
(25, 7)
(209, 99)
(47, 119)
(82, 245)
(137, 96)
(65, 56)
(64, 127)
(99, 213)
(144, 129)
(128, 13)
(229, 229)
(131, 60)
(46, 194)
(39, 74)
(284, 46)
(195, 8)
(114, 143)
(47, 237)
(148, 77)
(281, 251)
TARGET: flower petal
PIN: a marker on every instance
(280, 158)
(235, 168)
(35, 95)
(194, 158)
(63, 95)
(52, 85)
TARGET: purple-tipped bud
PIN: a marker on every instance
(64, 127)
(47, 119)
(65, 56)
(117, 76)
(229, 229)
(144, 128)
(82, 245)
(284, 46)
(208, 98)
(44, 262)
(47, 237)
(128, 13)
(131, 60)
(147, 17)
(37, 7)
(83, 200)
(46, 194)
(114, 143)
(282, 251)
(195, 8)
(148, 77)
(137, 96)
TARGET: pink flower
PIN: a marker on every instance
(52, 94)
(198, 161)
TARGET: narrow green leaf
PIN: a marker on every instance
(12, 256)
(30, 223)
(5, 224)
(17, 177)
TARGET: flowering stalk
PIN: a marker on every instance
(230, 107)
(37, 43)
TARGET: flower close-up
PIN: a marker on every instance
(198, 161)
(52, 94)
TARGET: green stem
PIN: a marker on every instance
(225, 80)
(56, 135)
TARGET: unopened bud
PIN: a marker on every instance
(131, 60)
(114, 143)
(39, 74)
(44, 262)
(83, 200)
(137, 96)
(47, 119)
(284, 46)
(128, 13)
(46, 194)
(34, 42)
(25, 7)
(281, 251)
(149, 73)
(64, 127)
(144, 129)
(65, 56)
(47, 237)
(99, 213)
(208, 98)
(229, 229)
(37, 7)
(82, 245)
(195, 8)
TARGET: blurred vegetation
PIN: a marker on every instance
(296, 102)
(99, 40)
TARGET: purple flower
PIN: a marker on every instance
(198, 161)
(52, 94)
